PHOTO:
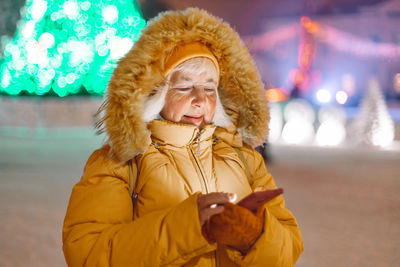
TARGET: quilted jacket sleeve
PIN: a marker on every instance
(99, 231)
(281, 243)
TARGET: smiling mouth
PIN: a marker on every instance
(193, 119)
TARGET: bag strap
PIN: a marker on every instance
(133, 179)
(246, 166)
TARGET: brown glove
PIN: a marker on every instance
(236, 227)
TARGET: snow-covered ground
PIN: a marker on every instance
(347, 201)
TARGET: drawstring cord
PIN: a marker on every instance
(198, 140)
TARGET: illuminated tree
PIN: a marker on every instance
(68, 47)
(374, 126)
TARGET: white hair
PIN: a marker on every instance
(156, 102)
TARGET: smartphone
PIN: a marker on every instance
(257, 199)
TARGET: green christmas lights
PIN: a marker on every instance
(63, 46)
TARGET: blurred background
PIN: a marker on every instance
(331, 70)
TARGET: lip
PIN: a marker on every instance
(194, 119)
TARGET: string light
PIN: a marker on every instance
(333, 37)
(65, 47)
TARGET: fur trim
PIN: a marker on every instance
(139, 76)
(154, 104)
(220, 117)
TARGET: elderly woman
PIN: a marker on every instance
(183, 108)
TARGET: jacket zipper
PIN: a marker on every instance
(197, 162)
(203, 177)
(198, 143)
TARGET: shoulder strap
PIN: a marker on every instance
(246, 166)
(133, 179)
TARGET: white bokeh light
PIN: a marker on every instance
(110, 14)
(80, 52)
(71, 9)
(299, 109)
(100, 39)
(36, 54)
(324, 96)
(299, 116)
(383, 136)
(119, 47)
(28, 29)
(331, 113)
(70, 78)
(5, 80)
(330, 133)
(46, 40)
(85, 5)
(39, 7)
(332, 130)
(341, 97)
(275, 123)
(298, 132)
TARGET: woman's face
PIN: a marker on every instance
(191, 98)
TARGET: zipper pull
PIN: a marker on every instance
(198, 144)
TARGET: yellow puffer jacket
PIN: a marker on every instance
(100, 228)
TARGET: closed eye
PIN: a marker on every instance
(183, 89)
(209, 90)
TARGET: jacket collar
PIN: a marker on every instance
(229, 135)
(178, 134)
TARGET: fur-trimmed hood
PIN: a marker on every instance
(139, 74)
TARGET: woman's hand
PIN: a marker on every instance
(212, 204)
(236, 227)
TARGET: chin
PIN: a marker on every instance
(191, 123)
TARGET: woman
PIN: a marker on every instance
(183, 107)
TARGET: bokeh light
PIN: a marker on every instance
(323, 96)
(330, 133)
(397, 82)
(298, 132)
(275, 123)
(110, 14)
(71, 9)
(332, 130)
(299, 117)
(383, 136)
(276, 95)
(39, 8)
(299, 109)
(66, 47)
(341, 97)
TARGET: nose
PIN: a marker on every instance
(199, 97)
